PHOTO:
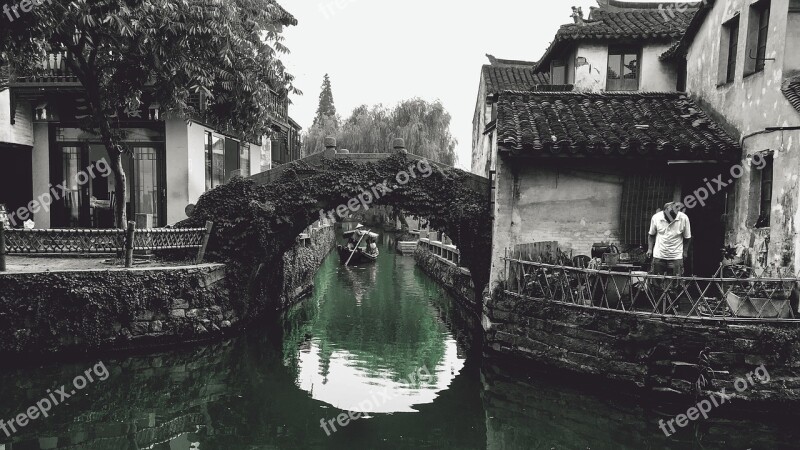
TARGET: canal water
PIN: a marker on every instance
(383, 341)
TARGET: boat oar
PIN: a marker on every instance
(356, 248)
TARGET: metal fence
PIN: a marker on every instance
(735, 299)
(85, 241)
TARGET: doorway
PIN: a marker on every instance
(707, 222)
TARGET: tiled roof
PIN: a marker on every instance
(577, 124)
(501, 78)
(791, 89)
(680, 48)
(637, 21)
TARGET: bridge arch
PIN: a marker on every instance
(258, 219)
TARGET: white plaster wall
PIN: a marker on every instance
(655, 75)
(591, 77)
(197, 161)
(22, 131)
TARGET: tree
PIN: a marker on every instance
(425, 126)
(128, 52)
(326, 108)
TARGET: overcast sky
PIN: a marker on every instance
(381, 51)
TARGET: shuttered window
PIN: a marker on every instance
(642, 196)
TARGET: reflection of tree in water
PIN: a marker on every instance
(378, 313)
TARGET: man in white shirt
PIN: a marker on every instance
(668, 244)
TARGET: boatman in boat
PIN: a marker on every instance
(355, 237)
(668, 243)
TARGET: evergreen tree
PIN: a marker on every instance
(326, 107)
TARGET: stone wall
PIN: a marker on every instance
(457, 282)
(121, 309)
(113, 309)
(665, 355)
(302, 262)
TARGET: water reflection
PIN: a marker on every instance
(343, 364)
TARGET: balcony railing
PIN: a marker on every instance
(727, 299)
(54, 72)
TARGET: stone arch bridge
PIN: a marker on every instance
(259, 218)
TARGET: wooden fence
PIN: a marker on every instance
(86, 241)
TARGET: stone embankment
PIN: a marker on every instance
(95, 310)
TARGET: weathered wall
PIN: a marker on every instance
(749, 105)
(481, 143)
(576, 206)
(659, 354)
(458, 283)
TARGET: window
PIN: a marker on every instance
(209, 160)
(765, 193)
(757, 32)
(623, 69)
(558, 72)
(244, 159)
(218, 160)
(729, 50)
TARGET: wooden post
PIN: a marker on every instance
(2, 246)
(129, 236)
(201, 253)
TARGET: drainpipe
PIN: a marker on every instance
(765, 131)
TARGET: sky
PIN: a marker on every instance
(381, 51)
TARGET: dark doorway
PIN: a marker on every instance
(16, 179)
(708, 221)
(231, 158)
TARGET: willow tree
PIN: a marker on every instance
(424, 125)
(125, 52)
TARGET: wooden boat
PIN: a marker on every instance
(360, 255)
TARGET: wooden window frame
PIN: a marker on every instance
(623, 51)
(765, 183)
(732, 47)
(757, 37)
(563, 68)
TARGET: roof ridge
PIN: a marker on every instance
(598, 94)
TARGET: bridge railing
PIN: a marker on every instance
(728, 299)
(448, 253)
(90, 241)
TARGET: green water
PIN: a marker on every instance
(383, 340)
